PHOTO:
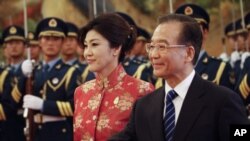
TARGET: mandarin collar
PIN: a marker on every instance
(114, 78)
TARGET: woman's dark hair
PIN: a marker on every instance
(115, 29)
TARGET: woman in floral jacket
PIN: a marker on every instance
(103, 105)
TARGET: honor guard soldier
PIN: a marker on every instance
(241, 36)
(35, 49)
(11, 112)
(210, 68)
(139, 47)
(239, 55)
(131, 62)
(135, 62)
(69, 54)
(243, 83)
(230, 33)
(53, 86)
(145, 69)
(70, 45)
(234, 60)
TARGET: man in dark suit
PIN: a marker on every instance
(187, 107)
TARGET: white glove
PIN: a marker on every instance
(235, 55)
(243, 58)
(32, 102)
(224, 56)
(27, 67)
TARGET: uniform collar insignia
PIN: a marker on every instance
(58, 66)
(205, 60)
(204, 76)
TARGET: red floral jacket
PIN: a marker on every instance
(103, 106)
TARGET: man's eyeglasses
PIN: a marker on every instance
(160, 46)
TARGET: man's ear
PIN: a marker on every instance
(190, 54)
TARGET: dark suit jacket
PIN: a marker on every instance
(206, 114)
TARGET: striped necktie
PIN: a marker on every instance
(169, 119)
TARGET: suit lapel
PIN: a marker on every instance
(190, 110)
(156, 115)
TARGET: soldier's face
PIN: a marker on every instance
(231, 42)
(241, 42)
(51, 45)
(69, 46)
(15, 48)
(35, 51)
(170, 62)
(98, 54)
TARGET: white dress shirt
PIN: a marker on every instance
(181, 89)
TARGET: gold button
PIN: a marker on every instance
(64, 130)
(41, 91)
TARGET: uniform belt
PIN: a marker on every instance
(40, 118)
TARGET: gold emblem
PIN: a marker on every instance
(126, 63)
(55, 81)
(204, 76)
(205, 60)
(30, 36)
(52, 23)
(39, 67)
(58, 66)
(13, 30)
(124, 102)
(188, 11)
(116, 101)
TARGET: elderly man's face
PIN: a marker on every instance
(170, 61)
